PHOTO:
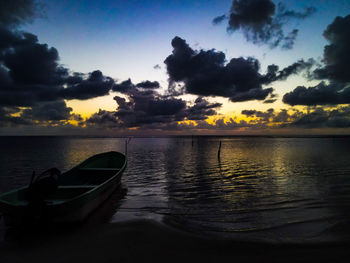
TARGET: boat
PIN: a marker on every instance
(77, 193)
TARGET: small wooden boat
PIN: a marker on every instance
(79, 191)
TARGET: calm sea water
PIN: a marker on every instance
(271, 189)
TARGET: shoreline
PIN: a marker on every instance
(146, 240)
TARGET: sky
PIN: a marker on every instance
(174, 67)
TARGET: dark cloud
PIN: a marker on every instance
(49, 111)
(322, 94)
(255, 13)
(124, 87)
(165, 106)
(201, 125)
(28, 62)
(336, 60)
(148, 84)
(45, 113)
(30, 73)
(127, 116)
(205, 73)
(94, 86)
(313, 118)
(282, 117)
(262, 22)
(259, 114)
(249, 113)
(127, 86)
(320, 118)
(103, 119)
(202, 109)
(16, 12)
(219, 19)
(219, 124)
(271, 98)
(271, 118)
(288, 40)
(252, 94)
(274, 74)
(336, 55)
(268, 101)
(147, 107)
(6, 118)
(33, 80)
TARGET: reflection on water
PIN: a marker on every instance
(276, 189)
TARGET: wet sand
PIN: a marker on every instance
(148, 241)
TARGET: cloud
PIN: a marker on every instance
(202, 109)
(268, 101)
(94, 86)
(16, 12)
(146, 108)
(336, 56)
(259, 114)
(124, 87)
(6, 118)
(103, 119)
(42, 114)
(321, 94)
(314, 118)
(271, 120)
(29, 62)
(34, 82)
(219, 19)
(49, 111)
(30, 73)
(127, 86)
(320, 118)
(157, 66)
(262, 22)
(148, 84)
(165, 107)
(205, 73)
(273, 73)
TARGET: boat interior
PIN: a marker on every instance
(69, 186)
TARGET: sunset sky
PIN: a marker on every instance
(174, 67)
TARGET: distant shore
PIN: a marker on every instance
(147, 241)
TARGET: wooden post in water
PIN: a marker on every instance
(127, 141)
(192, 140)
(219, 151)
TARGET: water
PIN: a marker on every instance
(266, 189)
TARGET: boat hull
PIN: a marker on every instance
(79, 212)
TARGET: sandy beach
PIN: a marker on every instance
(148, 241)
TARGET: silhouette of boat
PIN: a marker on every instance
(76, 194)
